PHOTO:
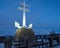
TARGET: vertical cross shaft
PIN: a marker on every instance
(24, 17)
(24, 14)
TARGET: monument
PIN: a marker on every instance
(24, 31)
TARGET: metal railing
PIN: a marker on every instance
(41, 41)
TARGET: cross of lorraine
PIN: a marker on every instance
(24, 8)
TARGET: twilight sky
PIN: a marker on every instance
(44, 15)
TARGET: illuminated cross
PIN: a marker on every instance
(23, 7)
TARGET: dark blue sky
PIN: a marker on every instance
(44, 15)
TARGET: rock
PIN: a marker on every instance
(24, 33)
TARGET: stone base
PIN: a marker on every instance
(24, 33)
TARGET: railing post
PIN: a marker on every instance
(42, 43)
(58, 39)
(28, 43)
(51, 42)
(8, 43)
